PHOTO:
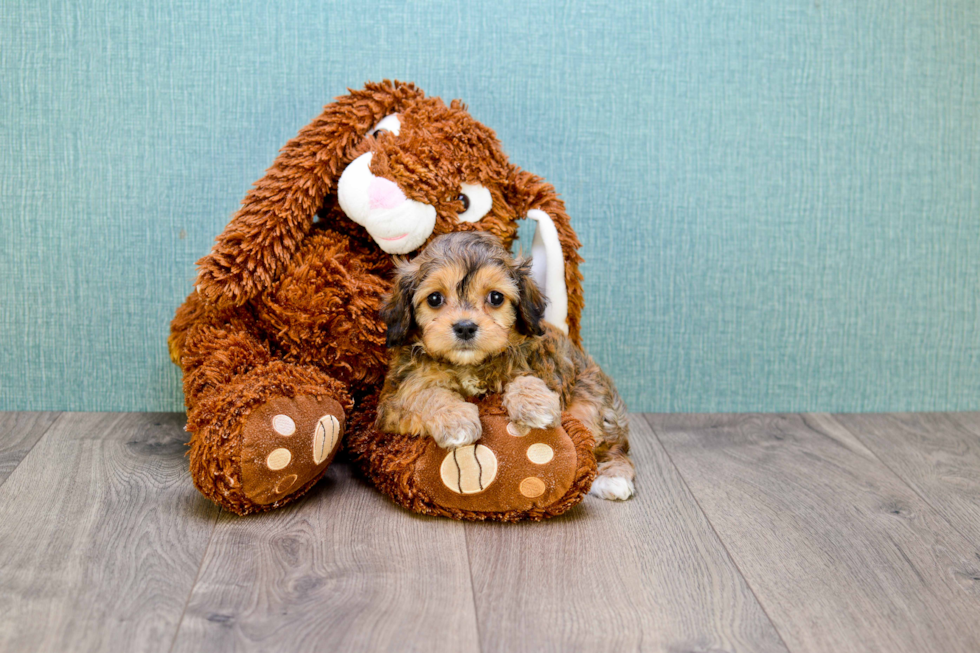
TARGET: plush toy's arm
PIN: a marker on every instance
(212, 348)
(278, 211)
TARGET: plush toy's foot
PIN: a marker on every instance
(510, 469)
(286, 444)
(510, 474)
(263, 441)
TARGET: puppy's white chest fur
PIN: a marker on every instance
(470, 385)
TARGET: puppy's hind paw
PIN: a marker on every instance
(612, 488)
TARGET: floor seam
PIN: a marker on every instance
(680, 475)
(61, 415)
(469, 566)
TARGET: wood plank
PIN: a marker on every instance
(647, 574)
(937, 454)
(102, 536)
(19, 432)
(842, 554)
(969, 421)
(341, 570)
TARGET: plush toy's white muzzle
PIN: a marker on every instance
(399, 225)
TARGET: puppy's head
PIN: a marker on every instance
(464, 298)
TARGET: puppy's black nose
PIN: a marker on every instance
(465, 330)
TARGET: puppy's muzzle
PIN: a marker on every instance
(465, 329)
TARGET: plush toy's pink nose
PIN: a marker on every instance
(384, 194)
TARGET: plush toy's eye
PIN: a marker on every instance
(476, 202)
(495, 298)
(389, 124)
(434, 300)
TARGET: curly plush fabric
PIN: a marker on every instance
(286, 303)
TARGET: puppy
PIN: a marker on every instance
(464, 318)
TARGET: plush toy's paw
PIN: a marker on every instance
(614, 488)
(286, 443)
(456, 427)
(531, 404)
(511, 473)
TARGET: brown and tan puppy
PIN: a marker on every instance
(465, 318)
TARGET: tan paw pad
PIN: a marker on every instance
(325, 437)
(278, 459)
(469, 470)
(285, 483)
(532, 487)
(283, 425)
(540, 453)
(517, 431)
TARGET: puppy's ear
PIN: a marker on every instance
(397, 311)
(530, 307)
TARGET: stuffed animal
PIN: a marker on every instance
(281, 344)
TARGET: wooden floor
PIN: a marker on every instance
(797, 533)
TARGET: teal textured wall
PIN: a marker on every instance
(779, 201)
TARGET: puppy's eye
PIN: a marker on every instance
(377, 132)
(465, 200)
(495, 298)
(434, 300)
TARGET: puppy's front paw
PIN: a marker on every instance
(457, 426)
(529, 402)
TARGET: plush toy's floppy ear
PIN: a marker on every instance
(556, 243)
(279, 209)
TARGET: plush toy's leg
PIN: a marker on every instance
(263, 440)
(263, 431)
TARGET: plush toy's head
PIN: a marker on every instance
(429, 169)
(406, 168)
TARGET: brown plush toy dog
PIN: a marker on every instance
(281, 343)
